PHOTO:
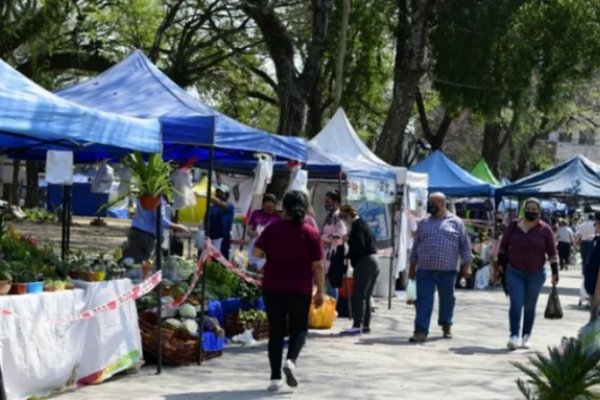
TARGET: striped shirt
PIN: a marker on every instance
(441, 243)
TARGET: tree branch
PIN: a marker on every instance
(423, 116)
(261, 96)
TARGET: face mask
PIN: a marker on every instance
(499, 220)
(432, 209)
(329, 207)
(269, 209)
(531, 215)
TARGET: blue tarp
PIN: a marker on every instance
(31, 116)
(136, 87)
(575, 177)
(447, 177)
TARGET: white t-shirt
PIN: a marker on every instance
(565, 234)
(586, 230)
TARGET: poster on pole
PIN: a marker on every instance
(377, 216)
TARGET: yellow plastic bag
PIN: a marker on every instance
(322, 317)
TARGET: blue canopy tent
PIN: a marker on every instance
(577, 177)
(447, 177)
(30, 116)
(136, 87)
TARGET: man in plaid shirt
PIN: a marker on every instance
(441, 245)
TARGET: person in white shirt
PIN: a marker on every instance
(566, 239)
(585, 237)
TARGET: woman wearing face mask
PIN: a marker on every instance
(523, 250)
(334, 249)
(259, 220)
(362, 255)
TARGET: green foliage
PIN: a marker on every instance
(567, 373)
(39, 215)
(220, 282)
(149, 178)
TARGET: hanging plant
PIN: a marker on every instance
(150, 180)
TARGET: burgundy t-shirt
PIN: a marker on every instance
(527, 251)
(290, 251)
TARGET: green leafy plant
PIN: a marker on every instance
(567, 373)
(220, 282)
(149, 178)
(5, 271)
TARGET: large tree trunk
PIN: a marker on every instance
(341, 56)
(491, 147)
(14, 186)
(293, 86)
(411, 41)
(32, 196)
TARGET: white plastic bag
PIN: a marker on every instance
(299, 181)
(200, 239)
(103, 179)
(411, 291)
(184, 192)
(59, 167)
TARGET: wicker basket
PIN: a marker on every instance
(233, 326)
(178, 348)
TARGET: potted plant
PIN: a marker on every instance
(19, 285)
(5, 278)
(150, 180)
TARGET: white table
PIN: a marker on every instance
(40, 352)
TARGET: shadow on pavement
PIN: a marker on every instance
(249, 394)
(394, 341)
(470, 350)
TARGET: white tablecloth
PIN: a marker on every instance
(40, 352)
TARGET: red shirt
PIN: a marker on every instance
(290, 251)
(527, 250)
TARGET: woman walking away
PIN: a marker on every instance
(362, 255)
(293, 263)
(591, 269)
(522, 256)
(566, 240)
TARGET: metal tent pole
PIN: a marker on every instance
(63, 235)
(211, 166)
(159, 288)
(69, 195)
(391, 282)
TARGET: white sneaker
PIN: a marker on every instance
(526, 344)
(289, 369)
(513, 343)
(276, 385)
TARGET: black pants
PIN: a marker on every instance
(365, 276)
(564, 253)
(285, 309)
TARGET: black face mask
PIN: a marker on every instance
(531, 215)
(432, 209)
(499, 220)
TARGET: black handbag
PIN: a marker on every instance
(337, 267)
(553, 308)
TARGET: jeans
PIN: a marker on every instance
(364, 277)
(285, 309)
(523, 289)
(427, 282)
(585, 248)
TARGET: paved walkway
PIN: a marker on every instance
(383, 365)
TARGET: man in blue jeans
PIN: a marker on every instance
(441, 244)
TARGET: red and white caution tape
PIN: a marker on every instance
(135, 293)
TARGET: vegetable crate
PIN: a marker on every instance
(235, 326)
(178, 348)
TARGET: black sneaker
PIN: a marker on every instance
(418, 337)
(447, 330)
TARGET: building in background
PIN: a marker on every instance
(584, 141)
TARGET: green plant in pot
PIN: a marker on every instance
(21, 276)
(150, 180)
(5, 277)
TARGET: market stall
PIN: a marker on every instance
(54, 341)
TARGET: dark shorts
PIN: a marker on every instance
(140, 245)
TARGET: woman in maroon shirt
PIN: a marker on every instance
(523, 250)
(293, 252)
